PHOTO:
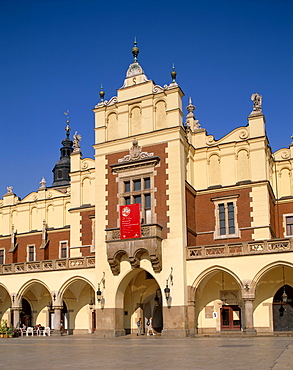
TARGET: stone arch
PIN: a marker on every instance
(5, 302)
(135, 120)
(258, 277)
(135, 295)
(34, 219)
(86, 190)
(160, 114)
(77, 297)
(50, 215)
(217, 293)
(243, 166)
(67, 214)
(112, 126)
(36, 295)
(214, 166)
(214, 268)
(285, 182)
(264, 287)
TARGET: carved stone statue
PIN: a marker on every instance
(135, 153)
(9, 189)
(76, 139)
(43, 183)
(257, 103)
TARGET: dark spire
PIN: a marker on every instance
(135, 51)
(62, 167)
(173, 74)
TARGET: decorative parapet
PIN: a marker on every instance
(50, 265)
(150, 242)
(240, 249)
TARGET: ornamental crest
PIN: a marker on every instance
(135, 153)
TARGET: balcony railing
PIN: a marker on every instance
(48, 265)
(147, 231)
(240, 249)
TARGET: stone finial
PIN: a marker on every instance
(43, 183)
(257, 103)
(173, 74)
(191, 122)
(135, 51)
(76, 139)
(102, 94)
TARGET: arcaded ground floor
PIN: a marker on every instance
(131, 352)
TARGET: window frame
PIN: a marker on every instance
(146, 212)
(28, 254)
(2, 250)
(60, 249)
(218, 202)
(285, 224)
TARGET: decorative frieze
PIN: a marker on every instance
(245, 248)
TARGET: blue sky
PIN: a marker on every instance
(56, 53)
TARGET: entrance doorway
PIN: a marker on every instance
(230, 318)
(283, 311)
(142, 298)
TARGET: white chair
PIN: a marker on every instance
(47, 331)
(30, 330)
(22, 331)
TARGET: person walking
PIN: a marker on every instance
(149, 325)
(139, 327)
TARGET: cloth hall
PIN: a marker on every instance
(208, 249)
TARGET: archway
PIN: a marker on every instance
(34, 298)
(5, 303)
(218, 302)
(283, 309)
(78, 298)
(141, 297)
(270, 282)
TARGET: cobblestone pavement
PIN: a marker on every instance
(88, 352)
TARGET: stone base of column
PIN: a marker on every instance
(109, 333)
(56, 333)
(175, 333)
(249, 331)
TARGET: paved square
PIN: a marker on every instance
(88, 352)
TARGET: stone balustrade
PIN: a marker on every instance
(49, 265)
(240, 249)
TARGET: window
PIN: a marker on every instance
(288, 225)
(31, 255)
(226, 217)
(63, 249)
(137, 189)
(2, 256)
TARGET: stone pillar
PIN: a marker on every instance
(57, 319)
(16, 316)
(175, 322)
(109, 322)
(248, 316)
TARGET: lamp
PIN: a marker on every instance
(167, 289)
(99, 292)
(91, 304)
(284, 295)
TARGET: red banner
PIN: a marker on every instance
(130, 221)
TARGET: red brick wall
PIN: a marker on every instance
(205, 216)
(160, 182)
(86, 231)
(190, 216)
(20, 254)
(280, 210)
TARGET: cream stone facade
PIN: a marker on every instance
(215, 250)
